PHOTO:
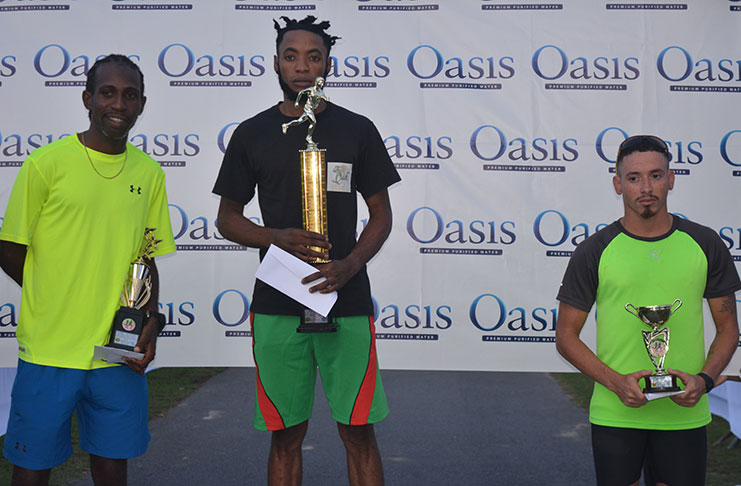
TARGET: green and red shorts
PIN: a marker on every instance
(286, 364)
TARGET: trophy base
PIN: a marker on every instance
(313, 322)
(127, 327)
(661, 383)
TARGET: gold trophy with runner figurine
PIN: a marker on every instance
(313, 192)
(657, 343)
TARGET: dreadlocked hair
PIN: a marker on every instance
(308, 25)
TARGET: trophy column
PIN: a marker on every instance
(313, 193)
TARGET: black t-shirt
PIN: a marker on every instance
(260, 156)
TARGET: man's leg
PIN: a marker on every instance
(38, 435)
(679, 457)
(29, 477)
(363, 459)
(618, 454)
(108, 472)
(284, 463)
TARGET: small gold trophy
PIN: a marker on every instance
(657, 343)
(129, 319)
(313, 191)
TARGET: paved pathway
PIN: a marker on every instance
(445, 428)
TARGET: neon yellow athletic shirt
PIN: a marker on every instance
(82, 233)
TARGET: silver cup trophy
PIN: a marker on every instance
(657, 343)
(129, 319)
(313, 191)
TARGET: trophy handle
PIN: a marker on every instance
(630, 306)
(673, 309)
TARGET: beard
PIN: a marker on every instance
(290, 94)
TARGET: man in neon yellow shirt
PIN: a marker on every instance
(75, 221)
(648, 257)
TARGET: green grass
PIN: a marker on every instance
(167, 388)
(724, 465)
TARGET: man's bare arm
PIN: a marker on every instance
(13, 259)
(723, 310)
(375, 233)
(570, 346)
(235, 227)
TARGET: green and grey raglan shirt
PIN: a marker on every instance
(614, 267)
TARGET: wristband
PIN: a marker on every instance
(161, 321)
(709, 383)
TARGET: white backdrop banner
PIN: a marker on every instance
(503, 119)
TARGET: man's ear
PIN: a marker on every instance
(86, 98)
(617, 184)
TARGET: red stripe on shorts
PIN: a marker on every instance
(361, 408)
(270, 414)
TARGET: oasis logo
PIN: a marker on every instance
(149, 5)
(179, 60)
(419, 318)
(428, 62)
(676, 64)
(521, 6)
(8, 319)
(225, 134)
(553, 229)
(274, 5)
(489, 313)
(199, 230)
(7, 67)
(171, 146)
(26, 7)
(177, 314)
(231, 308)
(14, 147)
(420, 150)
(398, 5)
(682, 153)
(646, 6)
(489, 143)
(732, 238)
(427, 226)
(731, 157)
(552, 63)
(53, 61)
(345, 72)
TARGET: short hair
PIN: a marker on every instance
(116, 59)
(641, 143)
(308, 25)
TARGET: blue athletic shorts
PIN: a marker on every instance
(112, 414)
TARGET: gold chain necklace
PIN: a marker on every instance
(126, 156)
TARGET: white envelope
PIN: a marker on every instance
(114, 355)
(284, 272)
(655, 395)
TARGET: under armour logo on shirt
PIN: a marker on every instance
(655, 255)
(138, 190)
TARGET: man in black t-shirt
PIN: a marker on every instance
(260, 156)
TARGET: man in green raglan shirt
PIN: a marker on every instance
(648, 257)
